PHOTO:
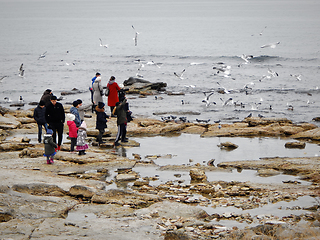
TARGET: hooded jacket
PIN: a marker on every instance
(72, 129)
(82, 134)
(101, 122)
(49, 145)
(75, 112)
(39, 114)
(113, 97)
(121, 113)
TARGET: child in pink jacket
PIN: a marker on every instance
(73, 130)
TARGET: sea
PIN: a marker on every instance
(58, 43)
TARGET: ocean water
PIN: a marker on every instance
(175, 35)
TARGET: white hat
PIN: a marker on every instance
(83, 125)
(70, 117)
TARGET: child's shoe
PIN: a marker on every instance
(51, 160)
(58, 148)
(48, 161)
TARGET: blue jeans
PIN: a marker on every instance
(40, 130)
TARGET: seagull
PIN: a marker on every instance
(179, 75)
(223, 68)
(245, 59)
(246, 86)
(271, 45)
(43, 55)
(262, 31)
(249, 116)
(297, 76)
(224, 89)
(272, 73)
(206, 99)
(21, 99)
(155, 64)
(21, 73)
(103, 45)
(7, 100)
(3, 77)
(135, 36)
(226, 102)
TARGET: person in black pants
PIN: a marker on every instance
(55, 117)
(101, 122)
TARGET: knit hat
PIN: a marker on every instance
(70, 117)
(83, 125)
(100, 105)
(49, 131)
(75, 103)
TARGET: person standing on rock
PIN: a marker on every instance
(91, 89)
(121, 114)
(82, 146)
(101, 122)
(49, 146)
(75, 112)
(97, 91)
(113, 97)
(55, 117)
(39, 114)
(46, 97)
(73, 130)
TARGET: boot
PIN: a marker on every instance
(48, 161)
(51, 160)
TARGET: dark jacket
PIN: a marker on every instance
(49, 145)
(39, 114)
(121, 113)
(55, 113)
(46, 97)
(101, 122)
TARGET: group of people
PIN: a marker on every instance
(50, 115)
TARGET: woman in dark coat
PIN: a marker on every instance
(46, 97)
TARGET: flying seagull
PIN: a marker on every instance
(297, 76)
(271, 45)
(206, 99)
(179, 75)
(21, 70)
(43, 55)
(1, 78)
(101, 45)
(135, 36)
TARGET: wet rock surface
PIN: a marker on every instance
(72, 198)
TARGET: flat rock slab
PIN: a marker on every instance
(289, 165)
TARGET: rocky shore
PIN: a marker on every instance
(72, 199)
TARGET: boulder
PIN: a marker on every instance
(14, 146)
(124, 197)
(9, 122)
(313, 134)
(197, 175)
(228, 146)
(78, 190)
(40, 189)
(300, 145)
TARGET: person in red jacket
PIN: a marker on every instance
(113, 97)
(73, 130)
